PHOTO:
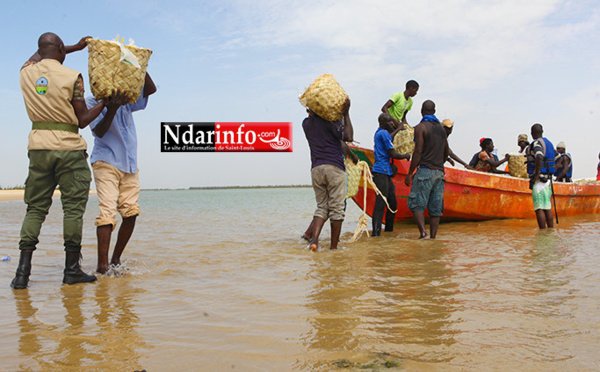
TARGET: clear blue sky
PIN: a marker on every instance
(495, 67)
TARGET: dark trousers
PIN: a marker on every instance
(386, 186)
(47, 169)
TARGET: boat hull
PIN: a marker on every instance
(478, 196)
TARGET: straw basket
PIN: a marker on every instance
(325, 97)
(109, 75)
(404, 140)
(354, 172)
(517, 166)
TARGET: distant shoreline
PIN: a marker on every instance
(233, 187)
(18, 194)
(248, 187)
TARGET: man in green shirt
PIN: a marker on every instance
(400, 103)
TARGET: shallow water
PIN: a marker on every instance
(219, 280)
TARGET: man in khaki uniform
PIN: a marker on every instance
(55, 105)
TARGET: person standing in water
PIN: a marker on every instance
(114, 163)
(55, 105)
(540, 173)
(328, 172)
(431, 152)
(383, 173)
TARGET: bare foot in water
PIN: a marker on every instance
(102, 269)
(423, 236)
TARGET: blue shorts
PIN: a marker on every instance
(427, 191)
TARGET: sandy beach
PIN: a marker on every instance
(15, 194)
(6, 195)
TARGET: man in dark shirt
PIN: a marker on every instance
(431, 151)
(328, 172)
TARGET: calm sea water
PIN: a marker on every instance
(219, 280)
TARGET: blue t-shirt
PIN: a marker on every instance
(118, 147)
(325, 141)
(383, 144)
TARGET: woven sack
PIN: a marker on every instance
(353, 171)
(325, 97)
(109, 75)
(517, 166)
(404, 140)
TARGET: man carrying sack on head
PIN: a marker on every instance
(114, 163)
(55, 105)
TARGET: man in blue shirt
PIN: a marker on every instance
(383, 172)
(114, 163)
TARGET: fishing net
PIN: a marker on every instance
(116, 68)
(364, 173)
(354, 172)
(517, 166)
(325, 97)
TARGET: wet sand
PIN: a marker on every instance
(219, 280)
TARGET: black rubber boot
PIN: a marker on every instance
(73, 273)
(23, 271)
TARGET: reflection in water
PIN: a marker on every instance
(547, 291)
(29, 343)
(73, 343)
(96, 333)
(387, 300)
(416, 300)
(118, 323)
(335, 298)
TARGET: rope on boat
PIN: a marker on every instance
(367, 177)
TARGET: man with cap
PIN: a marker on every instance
(448, 125)
(563, 164)
(522, 142)
(55, 105)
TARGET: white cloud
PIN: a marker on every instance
(472, 43)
